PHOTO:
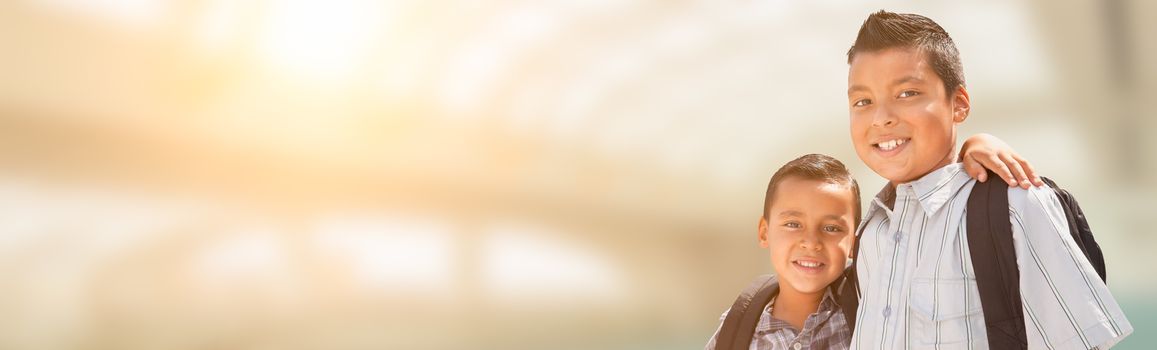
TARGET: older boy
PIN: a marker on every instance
(906, 94)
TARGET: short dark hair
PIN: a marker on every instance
(814, 167)
(885, 30)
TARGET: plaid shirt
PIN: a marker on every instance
(824, 329)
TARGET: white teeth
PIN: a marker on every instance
(891, 144)
(808, 263)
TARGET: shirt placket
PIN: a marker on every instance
(894, 303)
(804, 340)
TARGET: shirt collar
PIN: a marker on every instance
(932, 190)
(769, 323)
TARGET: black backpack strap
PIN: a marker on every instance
(994, 261)
(847, 287)
(1079, 229)
(739, 325)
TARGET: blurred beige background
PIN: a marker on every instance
(345, 174)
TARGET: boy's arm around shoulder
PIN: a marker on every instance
(1066, 304)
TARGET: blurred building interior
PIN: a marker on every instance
(348, 174)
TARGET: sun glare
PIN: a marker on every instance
(322, 40)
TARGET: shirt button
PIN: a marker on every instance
(898, 236)
(796, 346)
(887, 311)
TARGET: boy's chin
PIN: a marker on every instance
(811, 289)
(807, 287)
(895, 175)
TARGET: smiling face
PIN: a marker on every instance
(903, 122)
(806, 231)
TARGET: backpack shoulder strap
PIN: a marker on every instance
(847, 287)
(994, 261)
(739, 325)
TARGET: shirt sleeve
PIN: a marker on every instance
(1066, 304)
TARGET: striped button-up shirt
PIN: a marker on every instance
(824, 329)
(918, 289)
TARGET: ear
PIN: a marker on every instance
(763, 232)
(961, 104)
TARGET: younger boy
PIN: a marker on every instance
(811, 204)
(906, 95)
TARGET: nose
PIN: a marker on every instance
(811, 241)
(882, 116)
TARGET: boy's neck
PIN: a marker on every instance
(795, 307)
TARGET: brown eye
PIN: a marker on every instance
(791, 224)
(833, 229)
(862, 102)
(909, 93)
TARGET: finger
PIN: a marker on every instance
(1029, 171)
(1017, 171)
(992, 162)
(974, 169)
